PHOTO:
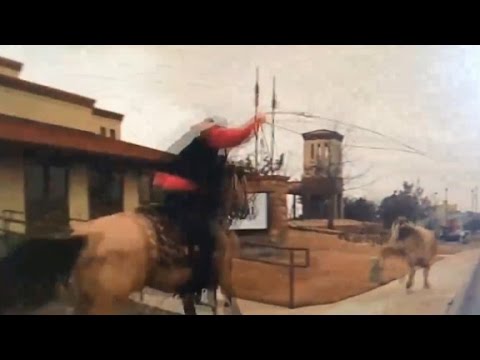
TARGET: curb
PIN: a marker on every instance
(458, 300)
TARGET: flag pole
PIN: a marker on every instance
(257, 95)
(274, 106)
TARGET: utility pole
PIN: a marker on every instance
(446, 206)
(472, 199)
(476, 199)
(332, 182)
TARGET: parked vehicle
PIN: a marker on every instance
(453, 232)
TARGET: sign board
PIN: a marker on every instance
(257, 219)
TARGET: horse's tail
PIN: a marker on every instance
(29, 275)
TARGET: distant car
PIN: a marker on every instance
(462, 236)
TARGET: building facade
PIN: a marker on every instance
(322, 180)
(62, 158)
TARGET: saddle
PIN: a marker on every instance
(172, 248)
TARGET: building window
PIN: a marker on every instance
(112, 134)
(105, 191)
(103, 131)
(145, 188)
(57, 183)
(327, 152)
(35, 181)
(312, 151)
(46, 196)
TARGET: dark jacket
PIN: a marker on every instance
(204, 166)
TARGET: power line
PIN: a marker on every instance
(354, 146)
(383, 148)
(336, 121)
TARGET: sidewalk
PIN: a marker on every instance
(167, 302)
(448, 278)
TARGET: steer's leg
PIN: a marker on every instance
(411, 276)
(426, 283)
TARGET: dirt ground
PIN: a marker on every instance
(338, 270)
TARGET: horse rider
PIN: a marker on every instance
(192, 185)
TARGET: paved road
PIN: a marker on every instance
(471, 302)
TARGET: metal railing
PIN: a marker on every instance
(79, 220)
(290, 264)
(8, 218)
(11, 238)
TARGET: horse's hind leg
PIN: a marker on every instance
(104, 304)
(214, 300)
(188, 302)
(83, 304)
(426, 283)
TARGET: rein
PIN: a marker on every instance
(237, 211)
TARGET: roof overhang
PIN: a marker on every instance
(322, 135)
(11, 64)
(28, 132)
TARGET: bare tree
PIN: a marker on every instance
(266, 166)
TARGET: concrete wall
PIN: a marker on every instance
(44, 109)
(12, 187)
(131, 198)
(78, 192)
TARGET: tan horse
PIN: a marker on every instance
(123, 253)
(413, 243)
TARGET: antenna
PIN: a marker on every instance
(446, 206)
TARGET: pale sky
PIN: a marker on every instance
(426, 96)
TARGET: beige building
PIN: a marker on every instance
(444, 212)
(61, 158)
(322, 179)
